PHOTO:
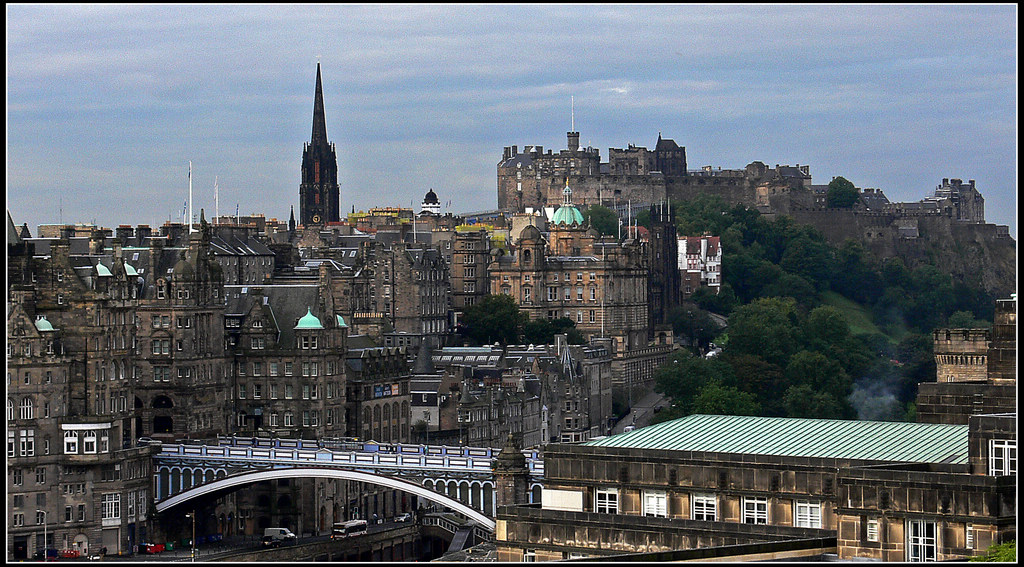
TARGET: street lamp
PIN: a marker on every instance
(43, 512)
(193, 517)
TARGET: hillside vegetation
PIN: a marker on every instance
(814, 330)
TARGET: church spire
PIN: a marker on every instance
(319, 120)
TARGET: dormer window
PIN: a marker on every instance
(257, 324)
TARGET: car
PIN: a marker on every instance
(628, 428)
(269, 541)
(406, 517)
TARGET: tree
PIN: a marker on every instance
(683, 375)
(496, 318)
(766, 328)
(716, 399)
(804, 401)
(841, 194)
(1003, 552)
(603, 220)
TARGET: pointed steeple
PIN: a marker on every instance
(319, 120)
(291, 220)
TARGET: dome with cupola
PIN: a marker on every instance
(309, 321)
(567, 214)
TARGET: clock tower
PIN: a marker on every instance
(319, 194)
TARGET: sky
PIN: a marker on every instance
(108, 104)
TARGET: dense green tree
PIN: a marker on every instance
(602, 219)
(543, 331)
(793, 286)
(841, 193)
(853, 275)
(766, 328)
(810, 259)
(965, 320)
(721, 303)
(820, 372)
(764, 380)
(716, 399)
(496, 318)
(683, 375)
(805, 401)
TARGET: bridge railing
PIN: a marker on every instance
(292, 451)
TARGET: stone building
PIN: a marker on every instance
(77, 480)
(704, 481)
(975, 369)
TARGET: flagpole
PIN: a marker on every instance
(216, 201)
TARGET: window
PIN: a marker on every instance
(19, 519)
(806, 514)
(25, 411)
(40, 475)
(655, 503)
(872, 530)
(69, 514)
(18, 477)
(969, 536)
(273, 391)
(70, 442)
(11, 450)
(529, 555)
(257, 369)
(111, 506)
(28, 443)
(755, 510)
(921, 542)
(289, 419)
(257, 391)
(81, 512)
(258, 343)
(241, 391)
(1002, 457)
(704, 507)
(89, 442)
(606, 501)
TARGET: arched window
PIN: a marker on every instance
(10, 409)
(70, 442)
(26, 408)
(89, 442)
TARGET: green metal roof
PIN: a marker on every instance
(309, 321)
(102, 270)
(130, 270)
(793, 437)
(341, 320)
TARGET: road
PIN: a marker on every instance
(643, 411)
(231, 545)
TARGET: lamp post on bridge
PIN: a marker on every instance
(45, 544)
(192, 515)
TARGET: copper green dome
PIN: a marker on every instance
(309, 321)
(567, 214)
(42, 324)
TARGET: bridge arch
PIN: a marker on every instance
(306, 472)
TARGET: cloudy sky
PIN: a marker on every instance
(106, 105)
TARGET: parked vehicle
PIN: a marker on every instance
(406, 517)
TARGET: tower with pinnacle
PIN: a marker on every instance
(319, 193)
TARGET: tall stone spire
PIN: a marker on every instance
(319, 120)
(319, 193)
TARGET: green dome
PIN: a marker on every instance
(42, 324)
(341, 321)
(309, 321)
(568, 215)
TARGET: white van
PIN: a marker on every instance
(273, 537)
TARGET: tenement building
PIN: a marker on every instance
(930, 492)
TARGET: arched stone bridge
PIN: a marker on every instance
(459, 478)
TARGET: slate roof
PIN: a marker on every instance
(794, 437)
